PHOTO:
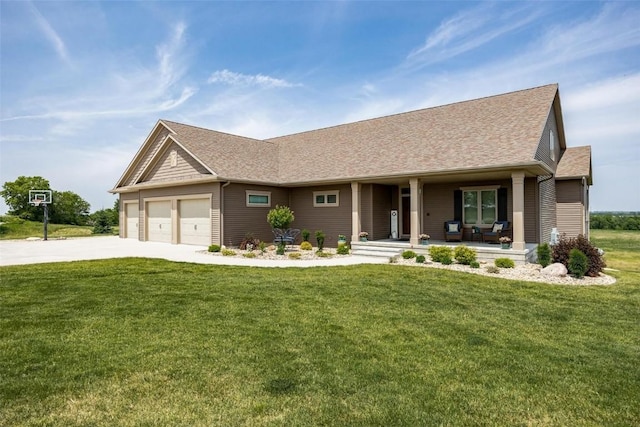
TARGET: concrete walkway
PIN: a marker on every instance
(21, 252)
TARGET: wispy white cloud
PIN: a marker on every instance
(469, 30)
(237, 79)
(50, 34)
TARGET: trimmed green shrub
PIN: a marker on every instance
(228, 252)
(295, 255)
(562, 249)
(280, 217)
(408, 254)
(504, 263)
(263, 247)
(214, 248)
(442, 254)
(420, 259)
(306, 246)
(578, 263)
(249, 255)
(464, 255)
(493, 269)
(320, 239)
(321, 254)
(342, 250)
(474, 264)
(305, 235)
(544, 254)
(280, 248)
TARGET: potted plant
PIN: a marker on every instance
(342, 239)
(505, 242)
(363, 236)
(424, 239)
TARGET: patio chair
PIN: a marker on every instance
(453, 230)
(498, 230)
(288, 236)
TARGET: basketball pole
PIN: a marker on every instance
(46, 219)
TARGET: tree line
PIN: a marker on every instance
(66, 208)
(615, 221)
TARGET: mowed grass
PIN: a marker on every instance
(15, 228)
(150, 342)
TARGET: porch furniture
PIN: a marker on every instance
(476, 234)
(286, 236)
(453, 230)
(498, 230)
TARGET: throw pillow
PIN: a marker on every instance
(453, 228)
(497, 227)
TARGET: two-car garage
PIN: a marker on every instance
(186, 221)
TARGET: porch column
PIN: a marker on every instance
(355, 211)
(415, 216)
(517, 180)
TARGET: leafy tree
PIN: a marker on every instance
(68, 208)
(16, 196)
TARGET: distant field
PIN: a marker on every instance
(16, 228)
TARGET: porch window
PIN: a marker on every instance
(258, 198)
(480, 207)
(324, 199)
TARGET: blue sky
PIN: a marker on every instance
(83, 83)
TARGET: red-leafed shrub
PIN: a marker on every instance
(562, 251)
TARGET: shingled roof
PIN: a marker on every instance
(575, 163)
(497, 132)
(484, 133)
(229, 156)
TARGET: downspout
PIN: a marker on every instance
(585, 206)
(222, 212)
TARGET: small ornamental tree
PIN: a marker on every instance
(280, 217)
(544, 254)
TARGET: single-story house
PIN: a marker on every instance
(501, 157)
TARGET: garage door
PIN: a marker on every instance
(195, 222)
(131, 221)
(159, 221)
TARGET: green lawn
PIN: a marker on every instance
(12, 228)
(151, 342)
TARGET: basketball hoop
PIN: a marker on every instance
(41, 198)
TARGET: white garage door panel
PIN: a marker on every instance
(131, 221)
(159, 221)
(195, 222)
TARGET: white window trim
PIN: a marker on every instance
(326, 194)
(479, 189)
(258, 193)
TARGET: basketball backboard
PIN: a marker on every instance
(40, 197)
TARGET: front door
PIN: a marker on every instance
(406, 214)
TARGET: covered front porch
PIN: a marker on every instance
(422, 205)
(486, 252)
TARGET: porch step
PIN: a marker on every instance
(375, 251)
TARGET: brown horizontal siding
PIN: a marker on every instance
(547, 196)
(366, 209)
(331, 220)
(381, 211)
(570, 219)
(437, 208)
(569, 191)
(240, 220)
(531, 224)
(543, 152)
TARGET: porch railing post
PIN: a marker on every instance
(415, 216)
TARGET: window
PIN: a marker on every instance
(258, 199)
(480, 206)
(325, 199)
(552, 145)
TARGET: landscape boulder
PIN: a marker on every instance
(557, 270)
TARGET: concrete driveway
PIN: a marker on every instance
(20, 252)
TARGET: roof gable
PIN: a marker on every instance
(173, 162)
